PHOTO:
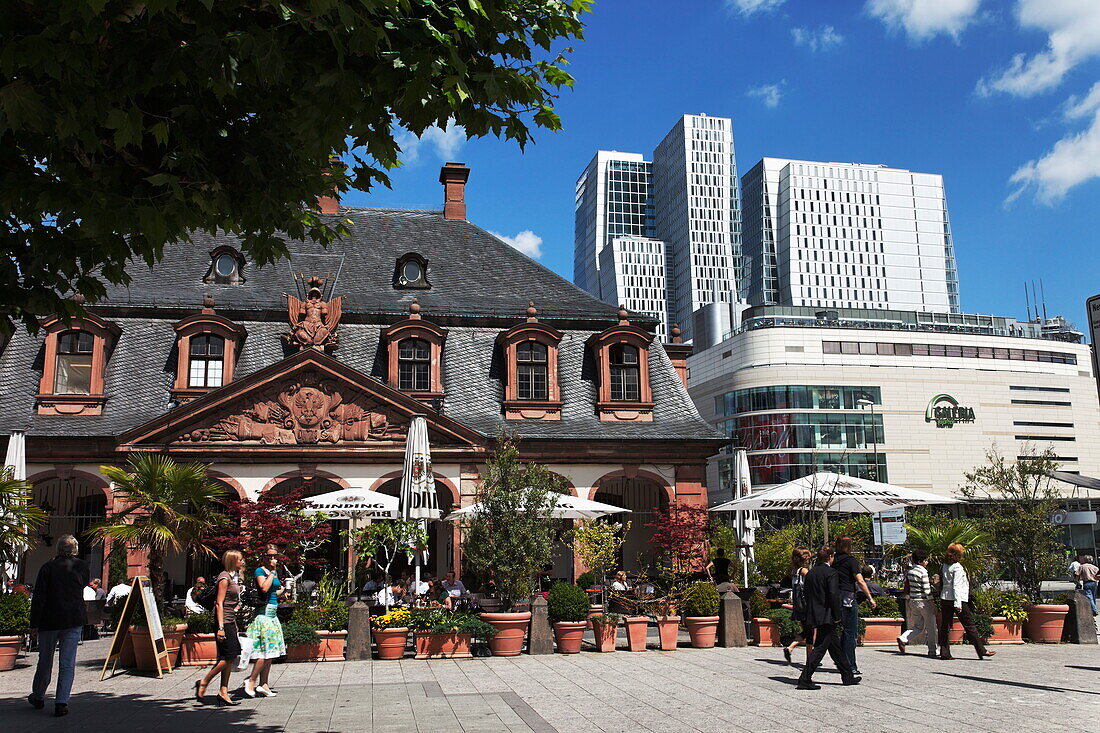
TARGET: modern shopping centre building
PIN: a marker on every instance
(915, 399)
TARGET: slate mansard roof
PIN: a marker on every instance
(480, 286)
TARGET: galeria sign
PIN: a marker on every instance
(945, 411)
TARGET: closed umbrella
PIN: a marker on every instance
(746, 521)
(418, 497)
(15, 463)
(564, 507)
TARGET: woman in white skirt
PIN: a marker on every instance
(265, 631)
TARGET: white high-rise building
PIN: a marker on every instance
(697, 212)
(688, 199)
(847, 235)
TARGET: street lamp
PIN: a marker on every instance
(865, 402)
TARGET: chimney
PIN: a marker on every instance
(453, 176)
(678, 353)
(329, 204)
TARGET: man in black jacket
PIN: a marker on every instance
(822, 598)
(58, 613)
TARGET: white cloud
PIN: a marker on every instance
(923, 19)
(1077, 108)
(770, 94)
(1073, 160)
(821, 39)
(445, 143)
(526, 242)
(748, 7)
(1073, 30)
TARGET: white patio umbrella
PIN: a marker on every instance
(418, 497)
(834, 492)
(353, 504)
(564, 507)
(15, 462)
(746, 521)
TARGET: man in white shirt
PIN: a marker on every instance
(392, 596)
(92, 591)
(193, 592)
(118, 593)
(453, 586)
(1074, 566)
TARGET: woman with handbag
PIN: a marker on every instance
(955, 599)
(227, 601)
(265, 631)
(800, 567)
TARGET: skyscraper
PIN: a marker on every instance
(847, 235)
(684, 208)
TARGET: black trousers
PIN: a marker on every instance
(826, 639)
(966, 620)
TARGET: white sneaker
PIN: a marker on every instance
(250, 691)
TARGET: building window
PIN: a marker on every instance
(73, 369)
(414, 365)
(226, 266)
(207, 361)
(532, 371)
(411, 272)
(625, 373)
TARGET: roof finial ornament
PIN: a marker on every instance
(677, 338)
(208, 303)
(313, 321)
(414, 308)
(624, 317)
(532, 312)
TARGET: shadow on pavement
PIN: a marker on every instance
(1087, 669)
(1026, 685)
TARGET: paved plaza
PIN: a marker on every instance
(746, 689)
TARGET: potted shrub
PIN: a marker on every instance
(15, 615)
(302, 642)
(700, 610)
(781, 627)
(567, 607)
(605, 626)
(199, 647)
(882, 624)
(1007, 612)
(511, 537)
(391, 633)
(764, 629)
(332, 628)
(1045, 621)
(443, 634)
(637, 630)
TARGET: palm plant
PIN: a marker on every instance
(18, 517)
(166, 506)
(934, 539)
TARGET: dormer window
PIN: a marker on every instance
(414, 362)
(207, 345)
(625, 373)
(622, 359)
(411, 272)
(74, 364)
(531, 390)
(226, 265)
(414, 351)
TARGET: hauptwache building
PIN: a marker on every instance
(914, 399)
(305, 374)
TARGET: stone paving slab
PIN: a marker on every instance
(729, 690)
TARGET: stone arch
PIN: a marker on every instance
(640, 492)
(71, 509)
(301, 474)
(229, 481)
(455, 497)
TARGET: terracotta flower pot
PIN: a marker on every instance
(766, 632)
(303, 652)
(703, 630)
(144, 658)
(9, 650)
(332, 645)
(173, 640)
(198, 650)
(669, 629)
(442, 646)
(1045, 622)
(605, 633)
(391, 642)
(637, 628)
(569, 635)
(1006, 632)
(881, 631)
(511, 630)
(595, 609)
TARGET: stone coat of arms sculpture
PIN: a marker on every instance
(313, 321)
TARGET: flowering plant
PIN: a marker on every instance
(397, 618)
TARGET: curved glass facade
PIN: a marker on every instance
(794, 397)
(774, 431)
(778, 468)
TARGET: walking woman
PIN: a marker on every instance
(955, 599)
(227, 601)
(800, 566)
(265, 631)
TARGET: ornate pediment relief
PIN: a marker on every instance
(306, 409)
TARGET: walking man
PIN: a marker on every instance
(822, 599)
(850, 576)
(922, 608)
(58, 613)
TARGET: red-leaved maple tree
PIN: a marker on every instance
(276, 520)
(680, 533)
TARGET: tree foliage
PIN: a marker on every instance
(680, 534)
(125, 126)
(512, 535)
(387, 539)
(166, 507)
(1018, 499)
(934, 538)
(19, 517)
(272, 519)
(597, 544)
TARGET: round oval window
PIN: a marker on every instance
(411, 272)
(225, 265)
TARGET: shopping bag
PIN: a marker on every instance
(246, 653)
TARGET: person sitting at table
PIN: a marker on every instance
(620, 583)
(373, 584)
(190, 605)
(453, 585)
(395, 595)
(438, 594)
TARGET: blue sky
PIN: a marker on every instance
(996, 95)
